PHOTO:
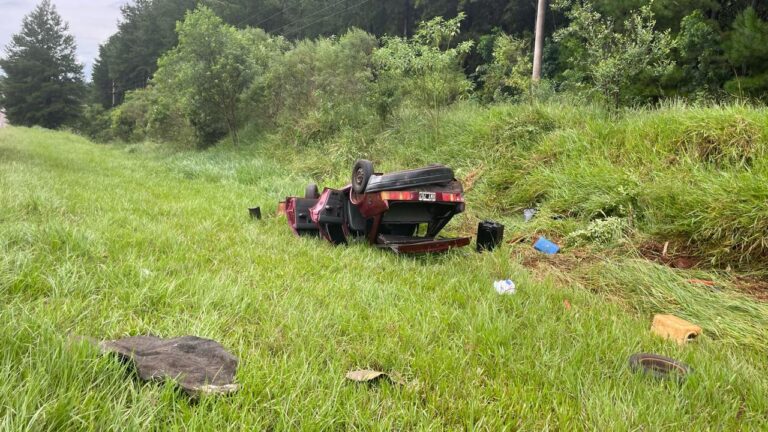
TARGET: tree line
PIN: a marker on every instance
(327, 61)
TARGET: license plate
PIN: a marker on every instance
(427, 196)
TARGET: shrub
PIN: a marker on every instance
(129, 120)
(507, 76)
(320, 86)
(425, 69)
(610, 61)
(209, 71)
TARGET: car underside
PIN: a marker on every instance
(404, 211)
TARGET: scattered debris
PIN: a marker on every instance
(255, 212)
(708, 283)
(659, 366)
(490, 234)
(505, 286)
(677, 329)
(281, 208)
(567, 304)
(518, 239)
(529, 213)
(197, 365)
(371, 376)
(545, 246)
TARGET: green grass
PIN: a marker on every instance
(111, 241)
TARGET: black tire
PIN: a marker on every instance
(361, 173)
(311, 191)
(659, 366)
(412, 178)
(335, 234)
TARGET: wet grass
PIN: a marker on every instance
(111, 241)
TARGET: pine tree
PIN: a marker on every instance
(44, 83)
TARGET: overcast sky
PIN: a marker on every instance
(90, 21)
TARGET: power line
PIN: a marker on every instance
(262, 21)
(321, 18)
(282, 10)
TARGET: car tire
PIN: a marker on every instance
(361, 173)
(311, 191)
(659, 366)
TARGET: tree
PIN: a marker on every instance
(320, 86)
(609, 60)
(209, 72)
(701, 64)
(128, 60)
(506, 75)
(44, 83)
(426, 67)
(747, 50)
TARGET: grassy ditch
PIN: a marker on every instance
(109, 241)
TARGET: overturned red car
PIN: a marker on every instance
(403, 211)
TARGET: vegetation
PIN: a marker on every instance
(697, 49)
(133, 239)
(608, 60)
(643, 151)
(209, 71)
(43, 83)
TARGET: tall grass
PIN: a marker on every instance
(110, 241)
(694, 175)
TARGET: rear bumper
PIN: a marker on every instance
(418, 245)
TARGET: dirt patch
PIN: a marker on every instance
(753, 287)
(565, 266)
(668, 254)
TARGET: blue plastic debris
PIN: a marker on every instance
(545, 246)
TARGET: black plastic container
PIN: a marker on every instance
(489, 235)
(255, 212)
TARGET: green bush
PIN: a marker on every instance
(130, 120)
(95, 123)
(426, 69)
(208, 72)
(507, 74)
(319, 87)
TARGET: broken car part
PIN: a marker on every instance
(489, 235)
(659, 366)
(199, 366)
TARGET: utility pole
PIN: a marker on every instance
(539, 43)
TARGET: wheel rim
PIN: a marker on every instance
(359, 176)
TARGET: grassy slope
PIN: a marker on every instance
(108, 242)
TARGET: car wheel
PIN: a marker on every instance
(311, 191)
(361, 173)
